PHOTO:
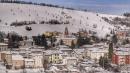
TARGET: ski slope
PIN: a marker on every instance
(10, 12)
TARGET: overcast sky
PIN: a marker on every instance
(102, 6)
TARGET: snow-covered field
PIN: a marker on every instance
(78, 19)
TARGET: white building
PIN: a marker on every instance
(3, 47)
(70, 61)
(29, 63)
(96, 53)
(38, 59)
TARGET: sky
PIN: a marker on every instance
(117, 7)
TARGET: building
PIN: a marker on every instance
(6, 40)
(29, 63)
(68, 40)
(79, 53)
(53, 56)
(70, 61)
(121, 34)
(17, 62)
(8, 60)
(3, 47)
(96, 52)
(121, 56)
(83, 33)
(38, 60)
(66, 51)
(27, 43)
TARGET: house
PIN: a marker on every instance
(6, 40)
(70, 61)
(121, 34)
(38, 60)
(79, 53)
(53, 56)
(17, 62)
(68, 40)
(83, 33)
(4, 55)
(29, 63)
(3, 47)
(66, 51)
(8, 60)
(55, 33)
(27, 43)
(96, 52)
(121, 56)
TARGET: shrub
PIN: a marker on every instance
(28, 28)
(42, 22)
(53, 21)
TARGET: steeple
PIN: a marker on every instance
(66, 31)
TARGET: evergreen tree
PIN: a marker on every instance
(126, 41)
(110, 52)
(114, 39)
(83, 41)
(14, 40)
(101, 61)
(79, 41)
(44, 41)
(61, 42)
(40, 40)
(1, 36)
(104, 62)
(72, 44)
(53, 40)
(66, 31)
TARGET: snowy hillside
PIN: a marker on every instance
(76, 20)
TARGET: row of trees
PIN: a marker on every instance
(13, 39)
(53, 21)
(22, 23)
(42, 40)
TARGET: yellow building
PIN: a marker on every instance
(68, 40)
(52, 33)
(53, 56)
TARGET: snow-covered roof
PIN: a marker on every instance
(50, 52)
(88, 46)
(17, 57)
(63, 46)
(3, 44)
(79, 51)
(26, 59)
(122, 53)
(98, 50)
(69, 58)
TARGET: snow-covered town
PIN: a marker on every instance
(45, 38)
(65, 52)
